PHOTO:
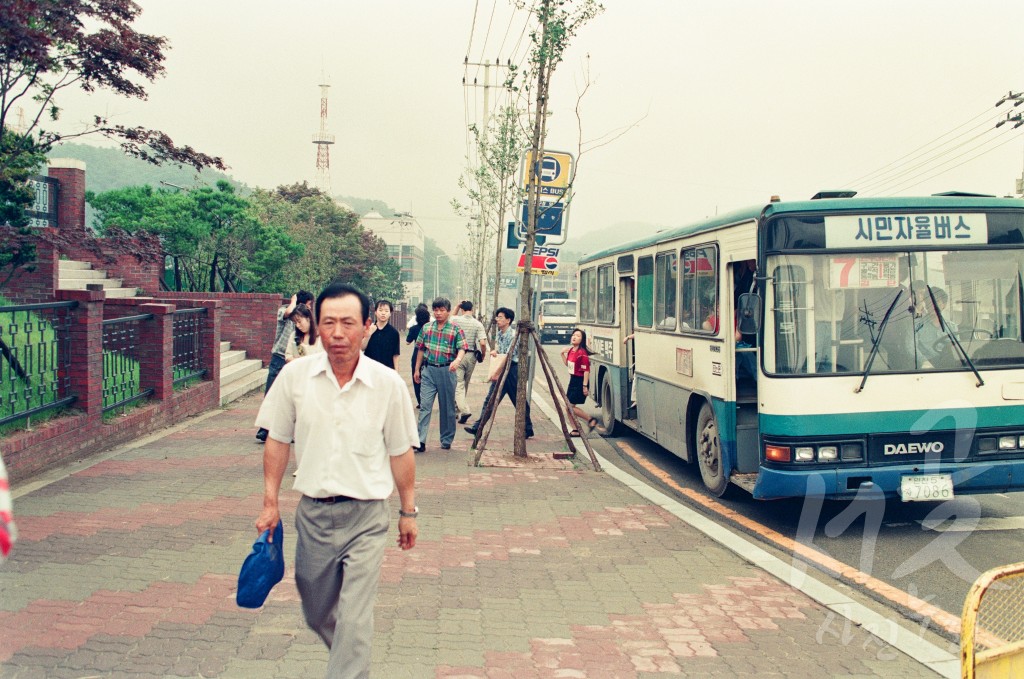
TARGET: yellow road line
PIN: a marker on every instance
(941, 618)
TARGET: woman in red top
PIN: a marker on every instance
(577, 357)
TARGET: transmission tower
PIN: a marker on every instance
(323, 141)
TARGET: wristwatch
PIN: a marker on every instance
(409, 515)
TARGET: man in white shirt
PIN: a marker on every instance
(476, 340)
(352, 422)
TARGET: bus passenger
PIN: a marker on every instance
(577, 358)
(931, 340)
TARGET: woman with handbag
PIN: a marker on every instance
(577, 358)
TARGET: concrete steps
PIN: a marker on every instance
(239, 375)
(72, 275)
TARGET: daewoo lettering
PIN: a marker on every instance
(913, 448)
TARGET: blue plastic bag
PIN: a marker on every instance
(262, 569)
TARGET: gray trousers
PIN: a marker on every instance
(463, 374)
(338, 557)
(439, 382)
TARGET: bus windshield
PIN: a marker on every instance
(559, 308)
(823, 312)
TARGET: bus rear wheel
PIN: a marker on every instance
(609, 426)
(708, 445)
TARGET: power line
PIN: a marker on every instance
(896, 162)
(905, 184)
(472, 28)
(894, 176)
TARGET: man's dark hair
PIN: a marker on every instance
(466, 305)
(506, 312)
(384, 302)
(441, 303)
(303, 297)
(343, 290)
(422, 314)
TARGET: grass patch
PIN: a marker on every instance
(28, 363)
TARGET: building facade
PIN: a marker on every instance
(404, 238)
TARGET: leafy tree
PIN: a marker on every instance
(492, 189)
(559, 21)
(336, 245)
(47, 46)
(216, 238)
(19, 158)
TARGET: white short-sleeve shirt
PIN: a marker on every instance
(343, 436)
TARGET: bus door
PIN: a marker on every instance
(745, 356)
(628, 315)
(747, 366)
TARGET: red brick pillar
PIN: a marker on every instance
(156, 350)
(210, 342)
(86, 349)
(71, 195)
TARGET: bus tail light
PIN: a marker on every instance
(777, 453)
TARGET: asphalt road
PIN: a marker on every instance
(932, 551)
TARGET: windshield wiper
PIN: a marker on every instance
(877, 341)
(952, 338)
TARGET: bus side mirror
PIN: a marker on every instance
(748, 313)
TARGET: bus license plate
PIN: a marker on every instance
(926, 488)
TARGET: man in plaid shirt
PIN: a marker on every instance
(441, 345)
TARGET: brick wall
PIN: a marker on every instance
(247, 320)
(77, 436)
(84, 432)
(36, 286)
(71, 196)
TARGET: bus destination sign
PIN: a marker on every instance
(905, 230)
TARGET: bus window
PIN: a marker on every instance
(789, 284)
(588, 296)
(700, 289)
(605, 294)
(665, 267)
(645, 292)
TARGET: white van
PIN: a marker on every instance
(556, 320)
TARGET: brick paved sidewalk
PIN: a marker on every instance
(128, 568)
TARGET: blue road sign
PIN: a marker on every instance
(549, 220)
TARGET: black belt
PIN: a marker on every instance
(333, 499)
(439, 365)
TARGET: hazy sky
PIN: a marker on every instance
(732, 101)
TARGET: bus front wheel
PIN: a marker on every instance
(709, 452)
(609, 426)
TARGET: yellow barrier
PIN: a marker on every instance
(992, 635)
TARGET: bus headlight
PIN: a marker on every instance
(828, 454)
(852, 451)
(804, 454)
(1007, 442)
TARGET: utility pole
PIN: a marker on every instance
(482, 224)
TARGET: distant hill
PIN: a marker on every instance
(578, 246)
(110, 168)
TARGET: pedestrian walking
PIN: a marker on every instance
(476, 339)
(282, 337)
(577, 357)
(382, 344)
(442, 345)
(353, 427)
(305, 335)
(421, 318)
(503, 318)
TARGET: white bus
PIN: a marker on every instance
(882, 346)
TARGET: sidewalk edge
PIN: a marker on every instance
(889, 631)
